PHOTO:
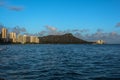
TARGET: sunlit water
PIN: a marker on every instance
(59, 62)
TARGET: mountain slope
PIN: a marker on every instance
(61, 39)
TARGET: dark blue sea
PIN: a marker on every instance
(59, 62)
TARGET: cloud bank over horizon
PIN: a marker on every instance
(109, 37)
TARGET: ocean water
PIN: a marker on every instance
(59, 62)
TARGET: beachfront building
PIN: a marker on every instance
(0, 36)
(99, 42)
(37, 40)
(26, 39)
(12, 36)
(4, 33)
(23, 39)
(19, 38)
(34, 39)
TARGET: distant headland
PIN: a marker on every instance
(12, 38)
(62, 39)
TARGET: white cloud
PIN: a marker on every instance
(19, 30)
(51, 28)
(15, 8)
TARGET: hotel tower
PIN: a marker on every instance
(13, 36)
(4, 33)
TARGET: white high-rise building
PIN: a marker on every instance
(13, 36)
(34, 39)
(4, 33)
(19, 38)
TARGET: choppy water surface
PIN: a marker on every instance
(60, 62)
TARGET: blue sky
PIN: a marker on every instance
(62, 14)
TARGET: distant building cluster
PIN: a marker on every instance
(13, 38)
(100, 42)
